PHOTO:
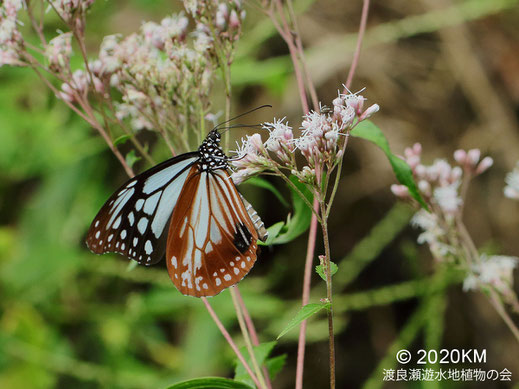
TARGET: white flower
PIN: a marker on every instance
(447, 198)
(497, 269)
(280, 133)
(512, 184)
(471, 282)
(58, 51)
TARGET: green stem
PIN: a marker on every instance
(329, 293)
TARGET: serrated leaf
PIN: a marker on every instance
(261, 352)
(210, 383)
(121, 140)
(320, 270)
(303, 314)
(262, 183)
(370, 132)
(131, 158)
(299, 221)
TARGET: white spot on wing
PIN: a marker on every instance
(227, 277)
(138, 204)
(131, 219)
(148, 248)
(142, 225)
(174, 261)
(123, 234)
(97, 234)
(218, 281)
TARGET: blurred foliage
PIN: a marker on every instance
(70, 319)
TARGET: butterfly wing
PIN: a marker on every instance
(133, 221)
(212, 241)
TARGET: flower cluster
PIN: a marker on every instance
(512, 183)
(159, 70)
(58, 53)
(496, 272)
(443, 188)
(225, 17)
(320, 143)
(10, 38)
(440, 183)
(72, 11)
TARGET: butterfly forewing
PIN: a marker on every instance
(212, 240)
(134, 221)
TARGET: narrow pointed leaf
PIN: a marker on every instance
(303, 314)
(370, 132)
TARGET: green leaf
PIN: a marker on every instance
(303, 314)
(300, 220)
(274, 231)
(131, 158)
(121, 140)
(369, 131)
(262, 183)
(275, 365)
(132, 265)
(210, 383)
(320, 270)
(261, 352)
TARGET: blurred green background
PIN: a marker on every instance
(445, 73)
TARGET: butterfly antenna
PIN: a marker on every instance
(217, 127)
(239, 125)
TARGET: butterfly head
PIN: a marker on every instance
(211, 154)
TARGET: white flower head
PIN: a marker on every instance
(280, 134)
(58, 51)
(496, 271)
(448, 198)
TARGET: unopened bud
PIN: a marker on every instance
(485, 164)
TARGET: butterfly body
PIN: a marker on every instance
(188, 210)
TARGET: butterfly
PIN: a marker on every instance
(186, 209)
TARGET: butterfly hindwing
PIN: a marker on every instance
(133, 222)
(212, 241)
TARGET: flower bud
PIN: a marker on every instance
(473, 156)
(460, 156)
(485, 164)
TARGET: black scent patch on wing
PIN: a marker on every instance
(242, 238)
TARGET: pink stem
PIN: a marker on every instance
(252, 331)
(306, 295)
(246, 316)
(356, 55)
(230, 341)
